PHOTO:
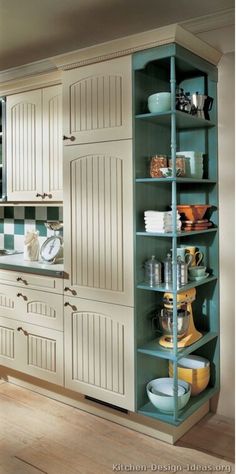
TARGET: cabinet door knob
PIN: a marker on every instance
(73, 292)
(48, 195)
(23, 330)
(73, 307)
(40, 195)
(22, 296)
(72, 138)
(23, 281)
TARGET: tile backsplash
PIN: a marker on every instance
(16, 221)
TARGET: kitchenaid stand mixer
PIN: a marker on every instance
(190, 334)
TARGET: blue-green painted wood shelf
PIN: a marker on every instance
(178, 180)
(193, 405)
(177, 234)
(154, 349)
(183, 121)
(163, 288)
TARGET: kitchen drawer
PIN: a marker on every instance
(32, 281)
(31, 349)
(34, 307)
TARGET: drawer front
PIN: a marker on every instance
(34, 307)
(32, 350)
(32, 281)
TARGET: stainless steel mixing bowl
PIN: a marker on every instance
(166, 323)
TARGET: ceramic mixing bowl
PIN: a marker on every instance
(159, 102)
(195, 370)
(163, 398)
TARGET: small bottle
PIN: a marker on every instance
(168, 269)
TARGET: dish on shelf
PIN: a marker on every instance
(167, 172)
(195, 370)
(159, 102)
(198, 278)
(193, 212)
(164, 402)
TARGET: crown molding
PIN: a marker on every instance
(211, 22)
(116, 48)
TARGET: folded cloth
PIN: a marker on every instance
(159, 213)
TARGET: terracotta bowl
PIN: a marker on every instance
(193, 212)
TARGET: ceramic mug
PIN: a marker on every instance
(186, 257)
(197, 256)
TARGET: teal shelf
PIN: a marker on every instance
(178, 234)
(177, 180)
(194, 404)
(183, 121)
(154, 349)
(165, 133)
(163, 288)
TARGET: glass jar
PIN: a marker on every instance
(157, 162)
(153, 271)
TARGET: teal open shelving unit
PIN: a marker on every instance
(160, 69)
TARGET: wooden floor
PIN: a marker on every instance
(40, 435)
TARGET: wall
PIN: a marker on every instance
(223, 40)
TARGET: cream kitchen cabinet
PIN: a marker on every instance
(99, 351)
(97, 102)
(31, 325)
(31, 349)
(34, 145)
(98, 228)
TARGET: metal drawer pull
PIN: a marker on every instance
(72, 138)
(23, 330)
(40, 195)
(21, 279)
(70, 289)
(48, 195)
(73, 307)
(23, 296)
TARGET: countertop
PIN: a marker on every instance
(16, 262)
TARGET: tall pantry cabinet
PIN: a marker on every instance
(98, 231)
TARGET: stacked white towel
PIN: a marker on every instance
(160, 222)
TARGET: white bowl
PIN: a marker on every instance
(159, 393)
(193, 362)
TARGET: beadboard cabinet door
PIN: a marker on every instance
(52, 143)
(98, 228)
(24, 146)
(97, 102)
(31, 349)
(34, 145)
(99, 351)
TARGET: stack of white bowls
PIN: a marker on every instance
(193, 163)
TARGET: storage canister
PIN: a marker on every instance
(168, 269)
(153, 271)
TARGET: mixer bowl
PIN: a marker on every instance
(167, 326)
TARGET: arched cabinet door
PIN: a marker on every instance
(98, 227)
(98, 102)
(32, 349)
(24, 146)
(99, 351)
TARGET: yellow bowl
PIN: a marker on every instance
(198, 379)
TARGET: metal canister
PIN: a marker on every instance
(182, 272)
(168, 269)
(153, 271)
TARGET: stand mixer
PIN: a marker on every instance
(186, 331)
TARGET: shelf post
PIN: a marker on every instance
(174, 227)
